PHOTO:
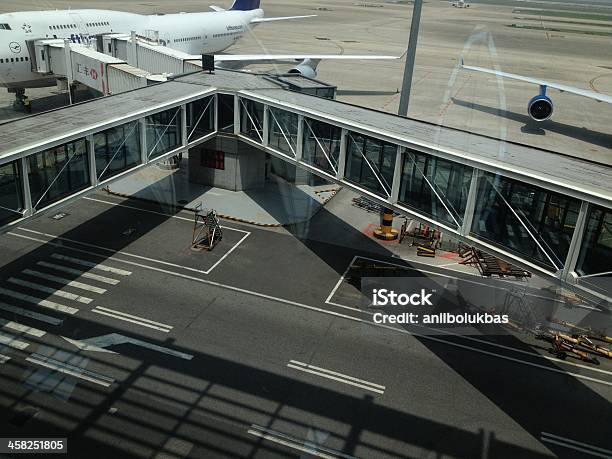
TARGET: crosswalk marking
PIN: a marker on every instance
(16, 326)
(52, 291)
(12, 341)
(31, 314)
(62, 280)
(44, 303)
(78, 272)
(90, 264)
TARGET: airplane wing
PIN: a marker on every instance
(561, 87)
(259, 20)
(296, 57)
(216, 8)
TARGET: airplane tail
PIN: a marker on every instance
(244, 5)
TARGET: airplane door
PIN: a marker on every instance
(83, 32)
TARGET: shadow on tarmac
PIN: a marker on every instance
(148, 417)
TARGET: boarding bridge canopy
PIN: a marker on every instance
(547, 212)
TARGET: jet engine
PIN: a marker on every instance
(307, 68)
(540, 108)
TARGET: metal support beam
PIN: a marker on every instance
(410, 57)
(569, 268)
(470, 204)
(342, 154)
(397, 175)
(299, 141)
(142, 128)
(25, 188)
(91, 158)
(216, 112)
(236, 115)
(266, 125)
(184, 133)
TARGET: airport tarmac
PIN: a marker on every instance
(442, 93)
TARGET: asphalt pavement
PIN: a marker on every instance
(119, 337)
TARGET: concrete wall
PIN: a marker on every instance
(245, 166)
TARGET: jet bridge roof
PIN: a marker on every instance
(574, 176)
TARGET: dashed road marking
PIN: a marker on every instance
(12, 341)
(90, 264)
(31, 314)
(64, 281)
(49, 290)
(78, 272)
(39, 301)
(16, 326)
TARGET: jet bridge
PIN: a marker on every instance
(549, 213)
(108, 73)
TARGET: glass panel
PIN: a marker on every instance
(596, 251)
(283, 128)
(11, 198)
(200, 118)
(251, 119)
(321, 145)
(226, 113)
(163, 132)
(422, 174)
(370, 163)
(117, 149)
(58, 172)
(548, 216)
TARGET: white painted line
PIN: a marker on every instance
(64, 281)
(296, 443)
(335, 314)
(12, 341)
(158, 213)
(337, 377)
(78, 272)
(333, 292)
(4, 359)
(27, 313)
(16, 326)
(89, 264)
(576, 445)
(39, 301)
(51, 291)
(71, 370)
(209, 270)
(127, 254)
(133, 319)
(363, 381)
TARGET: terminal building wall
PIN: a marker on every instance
(225, 162)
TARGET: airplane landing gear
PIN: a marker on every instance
(22, 102)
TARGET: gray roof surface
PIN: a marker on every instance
(26, 133)
(586, 178)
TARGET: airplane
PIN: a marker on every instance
(540, 107)
(192, 33)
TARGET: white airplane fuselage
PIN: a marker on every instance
(192, 33)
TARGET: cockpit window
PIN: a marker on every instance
(5, 27)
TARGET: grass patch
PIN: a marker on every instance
(565, 14)
(598, 33)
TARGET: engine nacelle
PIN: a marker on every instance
(307, 68)
(540, 108)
